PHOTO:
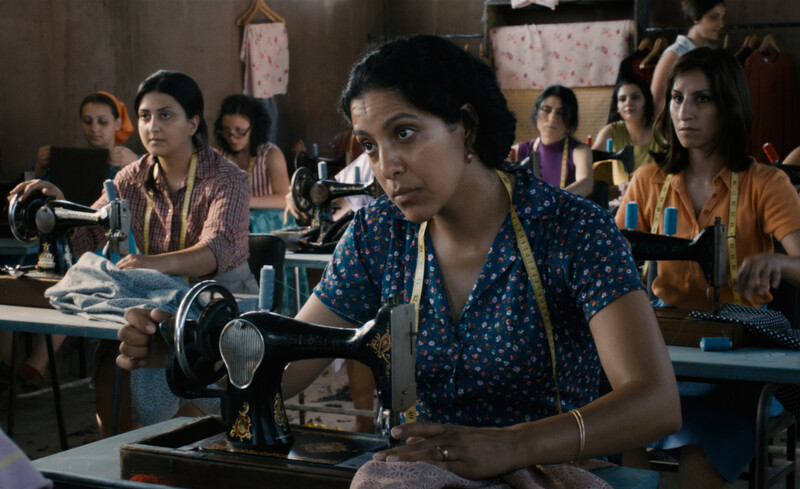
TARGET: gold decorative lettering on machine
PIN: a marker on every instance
(280, 414)
(241, 427)
(382, 346)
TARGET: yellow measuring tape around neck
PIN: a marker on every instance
(564, 157)
(187, 198)
(733, 204)
(524, 247)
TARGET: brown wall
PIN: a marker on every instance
(54, 52)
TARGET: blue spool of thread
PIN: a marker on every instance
(715, 343)
(357, 174)
(322, 170)
(631, 215)
(670, 221)
(266, 288)
(609, 145)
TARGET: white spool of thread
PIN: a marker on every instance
(266, 288)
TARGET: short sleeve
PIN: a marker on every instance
(780, 205)
(349, 286)
(604, 270)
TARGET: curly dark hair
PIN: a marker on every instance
(435, 76)
(252, 110)
(730, 94)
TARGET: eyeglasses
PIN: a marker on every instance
(236, 131)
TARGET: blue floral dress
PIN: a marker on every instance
(493, 368)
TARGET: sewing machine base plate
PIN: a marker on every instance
(196, 455)
(680, 329)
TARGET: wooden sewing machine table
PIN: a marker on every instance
(195, 455)
(680, 329)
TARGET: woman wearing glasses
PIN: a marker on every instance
(241, 131)
(565, 162)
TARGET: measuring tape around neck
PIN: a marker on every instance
(148, 213)
(535, 279)
(564, 157)
(733, 204)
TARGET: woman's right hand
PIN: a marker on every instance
(140, 346)
(24, 189)
(42, 161)
(291, 209)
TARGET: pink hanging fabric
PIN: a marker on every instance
(584, 54)
(265, 54)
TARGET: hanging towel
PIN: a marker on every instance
(95, 288)
(265, 54)
(585, 54)
(551, 4)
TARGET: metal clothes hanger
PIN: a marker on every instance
(255, 7)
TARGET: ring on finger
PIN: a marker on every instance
(445, 453)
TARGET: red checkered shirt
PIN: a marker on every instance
(218, 213)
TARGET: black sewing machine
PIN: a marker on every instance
(49, 220)
(707, 248)
(253, 349)
(314, 196)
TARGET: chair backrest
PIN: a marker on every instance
(268, 249)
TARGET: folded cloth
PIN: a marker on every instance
(95, 288)
(422, 475)
(582, 54)
(772, 328)
(551, 4)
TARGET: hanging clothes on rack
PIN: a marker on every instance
(265, 52)
(748, 46)
(773, 95)
(630, 69)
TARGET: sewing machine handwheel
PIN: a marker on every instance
(195, 347)
(21, 216)
(302, 179)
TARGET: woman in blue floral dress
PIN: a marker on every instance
(502, 382)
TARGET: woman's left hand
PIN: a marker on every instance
(474, 453)
(758, 272)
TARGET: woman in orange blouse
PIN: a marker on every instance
(705, 170)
